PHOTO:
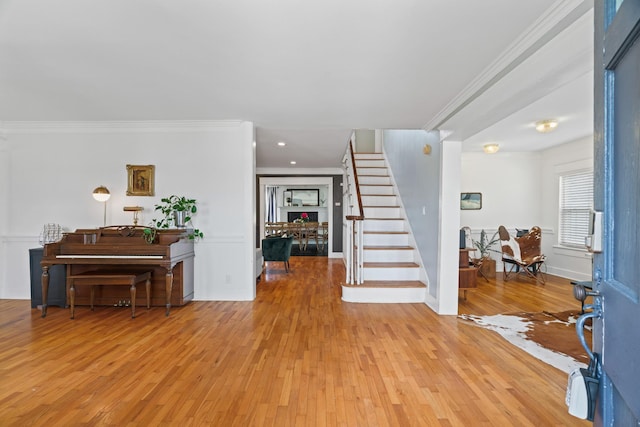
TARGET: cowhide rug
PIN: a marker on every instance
(550, 337)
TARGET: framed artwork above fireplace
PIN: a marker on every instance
(305, 196)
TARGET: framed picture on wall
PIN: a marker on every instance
(470, 201)
(140, 180)
(305, 196)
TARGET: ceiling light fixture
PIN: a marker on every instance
(490, 148)
(293, 162)
(544, 126)
(281, 144)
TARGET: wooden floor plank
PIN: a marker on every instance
(296, 355)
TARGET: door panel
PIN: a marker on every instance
(617, 193)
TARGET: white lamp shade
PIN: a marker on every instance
(101, 194)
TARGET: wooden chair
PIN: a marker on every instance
(522, 254)
(323, 235)
(296, 230)
(310, 233)
(273, 229)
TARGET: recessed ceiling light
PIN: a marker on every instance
(544, 126)
(281, 144)
(490, 148)
(293, 162)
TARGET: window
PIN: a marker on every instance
(576, 200)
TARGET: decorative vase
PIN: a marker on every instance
(179, 218)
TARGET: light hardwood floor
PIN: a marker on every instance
(297, 355)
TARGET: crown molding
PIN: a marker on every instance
(555, 19)
(142, 126)
(298, 171)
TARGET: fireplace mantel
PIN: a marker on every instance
(283, 212)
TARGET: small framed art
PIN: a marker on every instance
(140, 180)
(470, 201)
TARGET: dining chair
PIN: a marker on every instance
(310, 232)
(323, 234)
(296, 230)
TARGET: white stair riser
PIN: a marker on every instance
(391, 273)
(388, 255)
(368, 156)
(383, 295)
(386, 239)
(370, 163)
(383, 225)
(378, 212)
(379, 200)
(372, 171)
(380, 180)
(376, 189)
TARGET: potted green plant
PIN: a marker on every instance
(149, 234)
(485, 245)
(177, 211)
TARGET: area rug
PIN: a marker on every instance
(550, 337)
(311, 250)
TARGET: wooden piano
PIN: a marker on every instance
(121, 249)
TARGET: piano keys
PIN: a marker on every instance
(119, 249)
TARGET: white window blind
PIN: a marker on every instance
(576, 200)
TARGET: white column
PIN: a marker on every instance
(448, 253)
(4, 209)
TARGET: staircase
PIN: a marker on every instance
(390, 270)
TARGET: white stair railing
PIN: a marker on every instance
(354, 219)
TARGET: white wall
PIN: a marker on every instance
(573, 156)
(365, 141)
(4, 209)
(504, 179)
(520, 190)
(53, 169)
(508, 199)
(420, 179)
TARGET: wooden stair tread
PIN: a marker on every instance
(389, 284)
(387, 248)
(390, 265)
(386, 232)
(384, 219)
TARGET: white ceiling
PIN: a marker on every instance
(303, 72)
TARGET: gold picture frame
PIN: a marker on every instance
(140, 180)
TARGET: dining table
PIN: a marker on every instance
(302, 232)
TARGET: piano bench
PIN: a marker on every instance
(94, 278)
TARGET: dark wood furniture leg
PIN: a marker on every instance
(133, 299)
(148, 286)
(45, 289)
(168, 289)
